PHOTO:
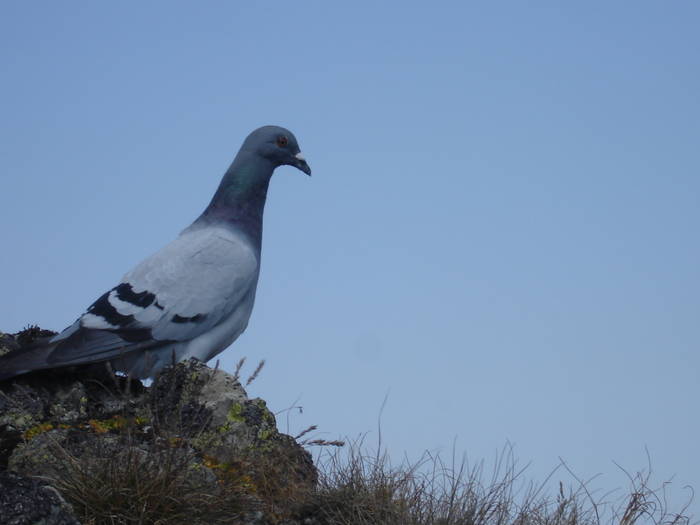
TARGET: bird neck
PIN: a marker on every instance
(240, 199)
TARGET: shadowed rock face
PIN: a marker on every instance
(25, 501)
(197, 417)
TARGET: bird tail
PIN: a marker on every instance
(26, 359)
(77, 346)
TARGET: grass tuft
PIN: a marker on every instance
(160, 481)
(357, 487)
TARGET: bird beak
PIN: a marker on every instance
(300, 163)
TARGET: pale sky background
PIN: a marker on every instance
(501, 231)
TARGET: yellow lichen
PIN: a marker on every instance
(235, 413)
(39, 429)
(114, 423)
(98, 426)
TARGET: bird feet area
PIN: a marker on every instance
(85, 445)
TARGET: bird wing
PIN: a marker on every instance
(175, 295)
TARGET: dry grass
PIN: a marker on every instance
(145, 472)
(147, 476)
(128, 481)
(358, 487)
(124, 483)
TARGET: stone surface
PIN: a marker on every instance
(25, 501)
(198, 417)
(226, 425)
(7, 343)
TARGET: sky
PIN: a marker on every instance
(499, 237)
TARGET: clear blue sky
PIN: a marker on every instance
(501, 230)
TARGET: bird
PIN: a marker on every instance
(190, 299)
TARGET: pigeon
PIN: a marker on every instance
(192, 298)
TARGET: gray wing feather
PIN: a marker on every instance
(202, 274)
(91, 346)
(195, 282)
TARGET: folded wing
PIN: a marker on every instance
(176, 295)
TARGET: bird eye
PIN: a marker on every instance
(282, 141)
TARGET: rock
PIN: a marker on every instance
(194, 427)
(7, 344)
(230, 428)
(43, 401)
(25, 501)
(193, 397)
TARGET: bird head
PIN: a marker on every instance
(278, 145)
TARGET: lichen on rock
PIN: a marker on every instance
(25, 501)
(194, 427)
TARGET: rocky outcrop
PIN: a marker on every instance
(215, 455)
(26, 501)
